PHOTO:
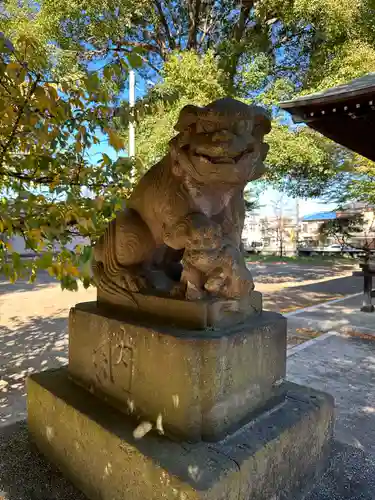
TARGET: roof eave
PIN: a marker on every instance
(329, 99)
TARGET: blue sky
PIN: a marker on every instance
(270, 196)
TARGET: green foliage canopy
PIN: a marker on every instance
(50, 188)
(62, 81)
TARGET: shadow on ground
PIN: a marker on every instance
(43, 280)
(281, 272)
(28, 347)
(345, 368)
(25, 474)
(289, 299)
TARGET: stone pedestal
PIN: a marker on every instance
(278, 455)
(201, 384)
(224, 422)
(192, 314)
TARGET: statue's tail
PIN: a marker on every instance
(108, 286)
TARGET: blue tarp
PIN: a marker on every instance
(320, 216)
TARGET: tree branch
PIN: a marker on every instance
(208, 25)
(144, 45)
(239, 29)
(163, 20)
(46, 180)
(194, 7)
(8, 143)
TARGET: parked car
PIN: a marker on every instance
(334, 249)
(252, 246)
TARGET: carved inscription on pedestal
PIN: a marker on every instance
(113, 360)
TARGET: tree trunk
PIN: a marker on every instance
(238, 33)
(194, 8)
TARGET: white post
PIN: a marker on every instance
(131, 151)
(131, 114)
(297, 226)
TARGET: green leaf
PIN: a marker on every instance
(106, 159)
(135, 60)
(86, 254)
(87, 282)
(92, 82)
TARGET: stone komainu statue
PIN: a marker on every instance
(180, 234)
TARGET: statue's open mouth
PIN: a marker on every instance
(225, 159)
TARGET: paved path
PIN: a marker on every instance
(343, 316)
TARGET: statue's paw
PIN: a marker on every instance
(240, 285)
(193, 292)
(215, 285)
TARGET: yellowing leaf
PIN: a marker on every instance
(14, 69)
(55, 181)
(43, 99)
(33, 120)
(52, 92)
(70, 269)
(99, 202)
(35, 234)
(106, 159)
(83, 223)
(115, 140)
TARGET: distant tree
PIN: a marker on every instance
(352, 230)
(259, 52)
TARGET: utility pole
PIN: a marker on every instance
(297, 225)
(131, 113)
(131, 151)
(281, 226)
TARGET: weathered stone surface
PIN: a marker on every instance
(198, 314)
(278, 455)
(180, 233)
(202, 384)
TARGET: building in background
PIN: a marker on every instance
(310, 226)
(251, 234)
(18, 245)
(353, 225)
(280, 234)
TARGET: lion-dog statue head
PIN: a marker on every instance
(221, 142)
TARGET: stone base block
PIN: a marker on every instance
(277, 456)
(202, 384)
(198, 314)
